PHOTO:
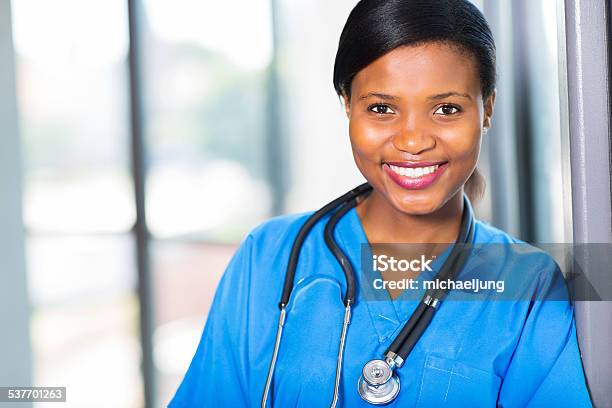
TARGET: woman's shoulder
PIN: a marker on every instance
(264, 251)
(281, 225)
(519, 259)
(487, 233)
(275, 235)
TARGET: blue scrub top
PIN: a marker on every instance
(511, 353)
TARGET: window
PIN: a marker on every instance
(78, 205)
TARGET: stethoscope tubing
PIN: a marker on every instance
(345, 263)
(413, 329)
(303, 233)
(349, 276)
(350, 201)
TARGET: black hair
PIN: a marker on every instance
(375, 27)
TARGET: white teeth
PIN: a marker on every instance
(413, 172)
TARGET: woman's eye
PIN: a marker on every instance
(447, 110)
(381, 109)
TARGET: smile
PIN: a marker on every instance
(413, 172)
(414, 176)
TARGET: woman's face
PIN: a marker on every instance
(416, 118)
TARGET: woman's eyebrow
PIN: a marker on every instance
(378, 95)
(434, 97)
(450, 93)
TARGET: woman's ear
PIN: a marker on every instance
(488, 110)
(347, 104)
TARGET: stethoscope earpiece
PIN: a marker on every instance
(378, 384)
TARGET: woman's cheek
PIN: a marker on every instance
(462, 144)
(366, 140)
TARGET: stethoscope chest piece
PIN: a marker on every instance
(378, 384)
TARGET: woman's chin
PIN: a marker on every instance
(411, 203)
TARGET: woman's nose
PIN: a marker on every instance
(413, 139)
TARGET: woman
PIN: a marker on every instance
(417, 78)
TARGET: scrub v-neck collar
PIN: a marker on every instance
(387, 315)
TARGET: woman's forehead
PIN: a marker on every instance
(431, 68)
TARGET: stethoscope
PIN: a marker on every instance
(378, 383)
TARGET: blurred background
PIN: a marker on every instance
(154, 134)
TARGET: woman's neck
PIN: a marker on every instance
(383, 223)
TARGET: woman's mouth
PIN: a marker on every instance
(414, 175)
